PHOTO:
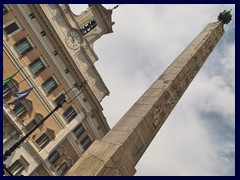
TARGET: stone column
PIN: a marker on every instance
(120, 150)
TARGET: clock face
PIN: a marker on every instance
(73, 39)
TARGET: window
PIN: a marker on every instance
(49, 85)
(69, 114)
(16, 168)
(6, 91)
(54, 156)
(43, 140)
(37, 66)
(11, 28)
(79, 130)
(86, 142)
(20, 109)
(42, 33)
(23, 107)
(31, 16)
(37, 118)
(55, 53)
(60, 99)
(88, 27)
(10, 88)
(63, 168)
(31, 124)
(23, 46)
(66, 70)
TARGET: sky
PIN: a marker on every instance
(198, 138)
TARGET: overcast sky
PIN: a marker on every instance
(198, 138)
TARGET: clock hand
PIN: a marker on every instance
(71, 37)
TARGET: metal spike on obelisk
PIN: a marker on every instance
(118, 152)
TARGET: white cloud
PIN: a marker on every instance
(146, 39)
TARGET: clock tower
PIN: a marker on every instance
(74, 36)
(91, 24)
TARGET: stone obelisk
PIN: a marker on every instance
(118, 152)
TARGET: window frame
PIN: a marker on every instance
(19, 169)
(85, 30)
(35, 62)
(11, 28)
(45, 142)
(53, 88)
(20, 28)
(51, 156)
(84, 141)
(13, 88)
(37, 118)
(75, 130)
(65, 116)
(49, 133)
(64, 170)
(26, 104)
(23, 53)
(20, 106)
(58, 96)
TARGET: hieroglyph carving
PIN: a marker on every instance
(179, 84)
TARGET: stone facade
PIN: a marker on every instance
(35, 43)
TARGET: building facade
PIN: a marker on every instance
(51, 49)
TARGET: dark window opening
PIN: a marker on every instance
(86, 142)
(53, 157)
(59, 99)
(31, 16)
(11, 28)
(79, 130)
(69, 114)
(88, 27)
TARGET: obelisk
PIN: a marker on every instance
(118, 152)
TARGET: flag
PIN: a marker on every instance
(5, 81)
(20, 96)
